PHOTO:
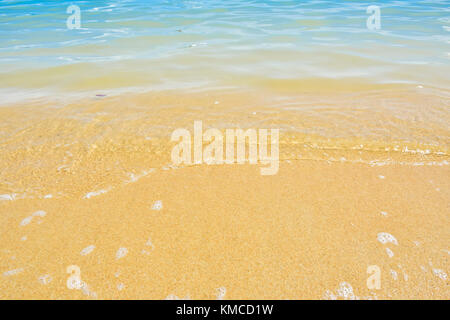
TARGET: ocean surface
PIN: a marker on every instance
(292, 45)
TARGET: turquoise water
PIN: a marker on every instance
(152, 44)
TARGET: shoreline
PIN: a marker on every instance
(95, 144)
(362, 182)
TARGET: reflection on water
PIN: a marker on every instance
(311, 68)
(124, 44)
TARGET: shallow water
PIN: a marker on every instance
(153, 44)
(137, 70)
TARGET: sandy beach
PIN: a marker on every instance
(224, 150)
(86, 185)
(288, 236)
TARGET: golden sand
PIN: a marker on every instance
(90, 184)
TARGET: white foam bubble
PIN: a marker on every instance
(120, 286)
(149, 243)
(122, 252)
(157, 205)
(394, 274)
(440, 273)
(45, 279)
(95, 193)
(405, 276)
(384, 213)
(12, 272)
(87, 250)
(221, 292)
(26, 221)
(39, 213)
(345, 291)
(135, 177)
(87, 290)
(389, 252)
(8, 197)
(385, 237)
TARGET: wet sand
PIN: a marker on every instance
(91, 185)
